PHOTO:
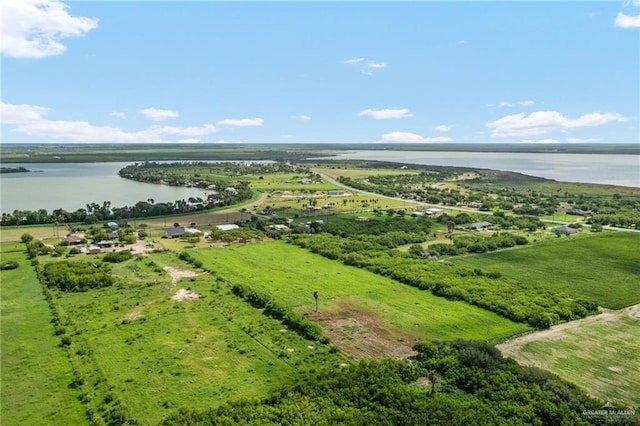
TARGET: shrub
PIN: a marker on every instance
(118, 256)
(8, 264)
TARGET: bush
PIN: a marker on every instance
(8, 264)
(118, 256)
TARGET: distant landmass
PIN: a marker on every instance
(13, 170)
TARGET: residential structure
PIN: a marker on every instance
(567, 230)
(480, 226)
(175, 232)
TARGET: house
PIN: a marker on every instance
(579, 212)
(73, 240)
(417, 213)
(304, 181)
(105, 243)
(362, 219)
(192, 231)
(480, 226)
(564, 230)
(433, 211)
(475, 205)
(94, 250)
(335, 193)
(112, 225)
(175, 232)
(227, 227)
(114, 235)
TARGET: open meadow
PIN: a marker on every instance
(603, 268)
(163, 336)
(367, 315)
(36, 374)
(598, 353)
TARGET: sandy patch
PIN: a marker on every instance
(362, 334)
(185, 295)
(177, 274)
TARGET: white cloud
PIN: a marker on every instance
(507, 104)
(408, 137)
(548, 140)
(627, 21)
(156, 114)
(19, 114)
(541, 122)
(243, 122)
(30, 120)
(384, 114)
(372, 66)
(33, 28)
(119, 114)
(301, 117)
(582, 140)
(442, 128)
(367, 68)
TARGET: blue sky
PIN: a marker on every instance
(320, 72)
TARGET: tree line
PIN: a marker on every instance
(456, 383)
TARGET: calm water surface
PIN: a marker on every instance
(621, 170)
(72, 186)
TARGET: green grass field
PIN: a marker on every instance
(36, 372)
(599, 354)
(291, 275)
(134, 344)
(603, 268)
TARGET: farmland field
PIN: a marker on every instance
(599, 354)
(36, 373)
(603, 268)
(351, 299)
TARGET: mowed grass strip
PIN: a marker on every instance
(599, 354)
(36, 373)
(290, 275)
(603, 268)
(158, 354)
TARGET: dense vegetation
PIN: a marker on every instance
(457, 383)
(515, 300)
(76, 276)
